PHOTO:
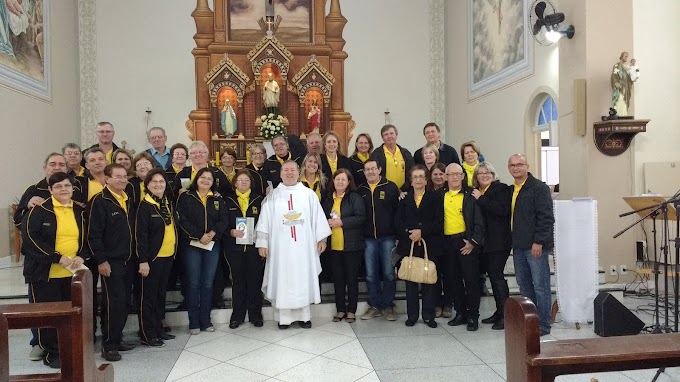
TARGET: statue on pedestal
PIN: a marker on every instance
(622, 85)
(314, 119)
(228, 121)
(270, 95)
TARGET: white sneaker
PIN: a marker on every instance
(194, 332)
(36, 353)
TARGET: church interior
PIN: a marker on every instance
(197, 69)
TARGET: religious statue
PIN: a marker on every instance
(314, 118)
(229, 124)
(270, 95)
(622, 85)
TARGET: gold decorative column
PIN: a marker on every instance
(203, 17)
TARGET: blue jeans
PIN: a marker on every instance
(199, 270)
(378, 258)
(533, 278)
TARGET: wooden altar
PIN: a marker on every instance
(236, 52)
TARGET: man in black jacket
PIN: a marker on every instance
(395, 161)
(105, 134)
(447, 154)
(381, 198)
(110, 241)
(282, 153)
(532, 222)
(464, 235)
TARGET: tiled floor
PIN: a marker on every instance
(366, 351)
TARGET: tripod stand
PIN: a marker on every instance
(663, 207)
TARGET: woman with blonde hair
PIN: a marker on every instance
(363, 147)
(332, 158)
(311, 175)
(470, 152)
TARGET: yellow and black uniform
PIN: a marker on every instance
(51, 230)
(463, 223)
(39, 189)
(347, 245)
(247, 267)
(89, 188)
(381, 200)
(108, 154)
(314, 186)
(170, 174)
(221, 182)
(109, 237)
(329, 167)
(421, 212)
(358, 161)
(272, 167)
(197, 216)
(259, 183)
(156, 238)
(394, 167)
(469, 172)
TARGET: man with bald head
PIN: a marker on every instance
(532, 222)
(282, 153)
(464, 232)
(314, 143)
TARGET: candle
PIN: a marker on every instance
(217, 158)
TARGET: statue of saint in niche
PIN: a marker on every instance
(314, 118)
(228, 120)
(270, 95)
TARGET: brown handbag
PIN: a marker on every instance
(418, 270)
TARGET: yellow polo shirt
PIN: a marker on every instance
(316, 186)
(395, 167)
(515, 192)
(93, 188)
(333, 164)
(363, 157)
(337, 236)
(67, 238)
(204, 199)
(121, 199)
(454, 222)
(109, 157)
(372, 187)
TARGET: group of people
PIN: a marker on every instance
(275, 226)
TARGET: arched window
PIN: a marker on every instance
(548, 112)
(546, 126)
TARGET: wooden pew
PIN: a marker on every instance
(73, 321)
(529, 360)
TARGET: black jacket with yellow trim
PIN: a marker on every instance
(259, 183)
(381, 205)
(195, 219)
(40, 189)
(272, 168)
(39, 240)
(150, 230)
(221, 181)
(253, 211)
(109, 233)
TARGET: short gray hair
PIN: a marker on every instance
(198, 143)
(488, 168)
(47, 158)
(162, 130)
(258, 147)
(70, 145)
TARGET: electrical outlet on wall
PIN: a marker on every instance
(623, 268)
(612, 270)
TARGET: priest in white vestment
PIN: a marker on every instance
(291, 233)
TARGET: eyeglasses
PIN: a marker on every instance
(418, 177)
(143, 164)
(119, 177)
(484, 173)
(370, 169)
(179, 154)
(258, 153)
(518, 165)
(243, 180)
(159, 181)
(456, 174)
(72, 153)
(62, 187)
(194, 153)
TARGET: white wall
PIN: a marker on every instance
(146, 60)
(656, 95)
(388, 67)
(497, 121)
(33, 128)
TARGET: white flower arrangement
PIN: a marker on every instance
(272, 125)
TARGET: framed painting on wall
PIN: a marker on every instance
(243, 17)
(25, 47)
(499, 45)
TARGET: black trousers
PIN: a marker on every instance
(132, 285)
(442, 290)
(152, 298)
(462, 273)
(493, 264)
(221, 281)
(345, 271)
(247, 271)
(114, 304)
(54, 290)
(413, 300)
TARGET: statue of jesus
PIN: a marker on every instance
(270, 95)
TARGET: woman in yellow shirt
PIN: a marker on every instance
(156, 236)
(311, 175)
(53, 245)
(332, 157)
(363, 147)
(346, 214)
(470, 152)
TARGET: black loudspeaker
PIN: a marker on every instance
(614, 319)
